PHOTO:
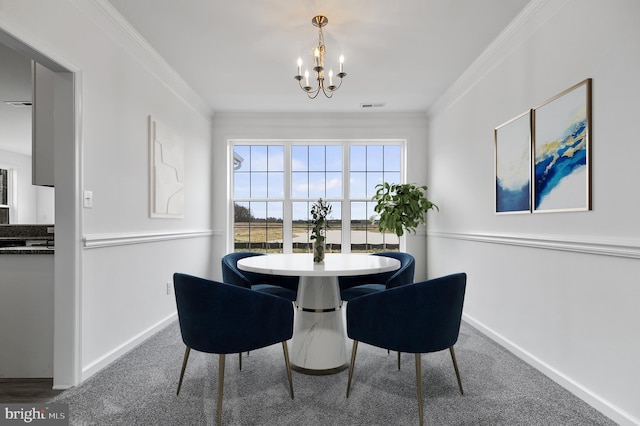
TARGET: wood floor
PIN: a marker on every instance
(26, 390)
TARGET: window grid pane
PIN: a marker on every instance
(316, 172)
(259, 159)
(258, 171)
(372, 165)
(375, 155)
(258, 226)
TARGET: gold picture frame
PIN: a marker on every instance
(561, 157)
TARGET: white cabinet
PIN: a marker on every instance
(43, 125)
(26, 315)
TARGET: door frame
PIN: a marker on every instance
(67, 362)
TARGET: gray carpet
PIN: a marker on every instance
(500, 389)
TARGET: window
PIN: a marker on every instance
(6, 195)
(274, 185)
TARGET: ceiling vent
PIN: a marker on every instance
(19, 104)
(373, 105)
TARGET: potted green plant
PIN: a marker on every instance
(320, 212)
(400, 207)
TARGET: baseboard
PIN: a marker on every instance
(113, 355)
(61, 387)
(605, 407)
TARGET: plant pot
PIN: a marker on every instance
(319, 249)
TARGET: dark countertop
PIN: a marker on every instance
(27, 239)
(26, 250)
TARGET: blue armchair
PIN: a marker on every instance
(277, 285)
(360, 285)
(221, 319)
(420, 318)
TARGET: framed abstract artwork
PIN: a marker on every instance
(561, 151)
(513, 165)
(166, 172)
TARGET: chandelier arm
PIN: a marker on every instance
(329, 94)
(334, 87)
(308, 92)
(312, 94)
(315, 93)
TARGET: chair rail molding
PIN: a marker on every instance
(602, 247)
(92, 241)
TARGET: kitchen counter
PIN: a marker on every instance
(26, 239)
(26, 250)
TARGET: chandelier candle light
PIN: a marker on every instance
(317, 56)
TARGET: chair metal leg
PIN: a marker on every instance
(398, 360)
(419, 385)
(220, 387)
(455, 366)
(184, 366)
(288, 365)
(240, 360)
(352, 365)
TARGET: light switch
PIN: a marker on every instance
(87, 200)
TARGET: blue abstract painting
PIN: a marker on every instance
(561, 150)
(513, 165)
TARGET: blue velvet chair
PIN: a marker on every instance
(360, 285)
(221, 319)
(420, 318)
(276, 285)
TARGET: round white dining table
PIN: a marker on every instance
(319, 342)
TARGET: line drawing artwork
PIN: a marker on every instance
(167, 172)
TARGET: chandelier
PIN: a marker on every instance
(317, 57)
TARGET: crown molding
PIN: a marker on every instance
(535, 14)
(105, 16)
(306, 120)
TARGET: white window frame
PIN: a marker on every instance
(287, 201)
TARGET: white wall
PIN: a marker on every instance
(35, 203)
(559, 289)
(126, 258)
(412, 127)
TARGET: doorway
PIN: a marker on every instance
(66, 157)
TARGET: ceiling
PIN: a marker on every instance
(241, 55)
